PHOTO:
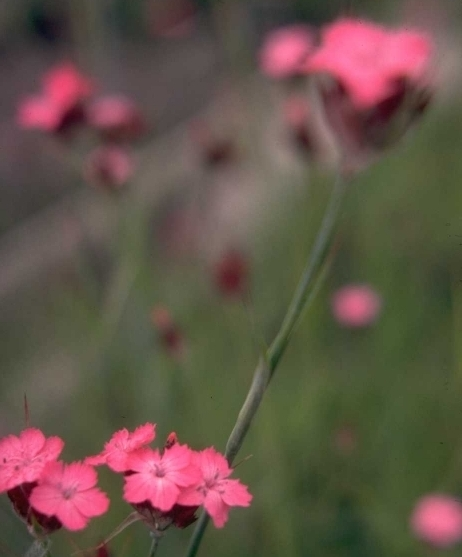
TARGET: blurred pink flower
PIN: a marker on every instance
(231, 273)
(23, 458)
(437, 520)
(285, 51)
(39, 112)
(380, 83)
(214, 490)
(356, 305)
(108, 167)
(159, 478)
(116, 118)
(60, 102)
(215, 150)
(169, 332)
(66, 86)
(118, 449)
(68, 493)
(370, 61)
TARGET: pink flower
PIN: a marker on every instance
(285, 51)
(109, 167)
(159, 478)
(231, 273)
(370, 61)
(121, 445)
(66, 86)
(170, 334)
(437, 519)
(39, 112)
(356, 305)
(116, 118)
(59, 104)
(379, 84)
(214, 490)
(68, 492)
(23, 458)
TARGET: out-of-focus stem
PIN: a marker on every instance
(154, 544)
(304, 293)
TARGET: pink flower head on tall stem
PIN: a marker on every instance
(437, 520)
(356, 305)
(68, 493)
(23, 458)
(285, 51)
(377, 82)
(214, 490)
(159, 478)
(369, 61)
(121, 445)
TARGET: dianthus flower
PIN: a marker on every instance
(116, 118)
(285, 50)
(356, 305)
(23, 458)
(371, 61)
(66, 86)
(59, 104)
(214, 490)
(121, 445)
(108, 167)
(159, 478)
(437, 519)
(68, 493)
(379, 84)
(231, 273)
(170, 334)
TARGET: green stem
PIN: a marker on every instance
(306, 290)
(154, 544)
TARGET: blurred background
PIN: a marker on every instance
(123, 303)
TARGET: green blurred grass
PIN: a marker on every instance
(397, 385)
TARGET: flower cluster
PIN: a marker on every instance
(45, 492)
(167, 486)
(164, 486)
(65, 100)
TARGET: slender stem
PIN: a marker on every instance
(154, 544)
(306, 290)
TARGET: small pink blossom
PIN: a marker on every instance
(231, 273)
(59, 104)
(370, 61)
(39, 112)
(116, 118)
(376, 83)
(23, 458)
(214, 490)
(356, 305)
(437, 520)
(285, 51)
(68, 492)
(170, 334)
(109, 167)
(158, 478)
(66, 86)
(121, 445)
